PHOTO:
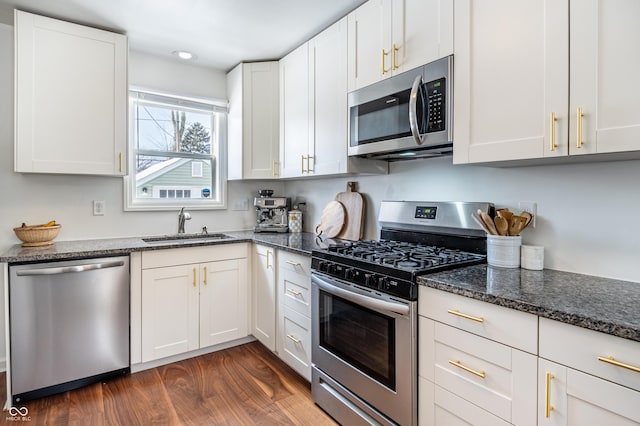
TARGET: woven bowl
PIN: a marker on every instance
(35, 236)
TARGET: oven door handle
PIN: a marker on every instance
(366, 301)
(413, 110)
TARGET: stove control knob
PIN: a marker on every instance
(383, 283)
(331, 268)
(348, 273)
(370, 280)
(321, 265)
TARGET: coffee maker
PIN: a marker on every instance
(271, 212)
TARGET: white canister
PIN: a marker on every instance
(503, 251)
(295, 220)
(532, 257)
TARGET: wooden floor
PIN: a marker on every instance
(244, 385)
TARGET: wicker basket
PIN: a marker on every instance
(36, 236)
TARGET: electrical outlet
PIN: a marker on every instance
(241, 205)
(99, 207)
(531, 207)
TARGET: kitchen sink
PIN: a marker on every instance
(185, 238)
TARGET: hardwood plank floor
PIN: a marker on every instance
(243, 385)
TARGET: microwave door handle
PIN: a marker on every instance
(413, 110)
(369, 302)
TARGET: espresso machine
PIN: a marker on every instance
(271, 212)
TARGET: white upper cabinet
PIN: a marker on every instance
(294, 113)
(387, 37)
(71, 98)
(545, 79)
(605, 65)
(253, 143)
(510, 74)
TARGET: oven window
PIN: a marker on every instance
(361, 337)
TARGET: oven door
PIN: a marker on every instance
(365, 341)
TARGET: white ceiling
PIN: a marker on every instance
(221, 33)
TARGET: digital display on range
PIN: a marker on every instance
(425, 212)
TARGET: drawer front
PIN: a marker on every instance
(296, 263)
(498, 378)
(297, 342)
(581, 349)
(513, 328)
(295, 292)
(440, 407)
(189, 255)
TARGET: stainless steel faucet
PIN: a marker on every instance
(182, 217)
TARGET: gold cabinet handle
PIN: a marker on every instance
(294, 264)
(296, 341)
(612, 361)
(309, 158)
(194, 277)
(547, 399)
(394, 61)
(384, 70)
(205, 276)
(480, 374)
(120, 155)
(294, 292)
(302, 164)
(268, 264)
(552, 131)
(274, 168)
(469, 317)
(579, 116)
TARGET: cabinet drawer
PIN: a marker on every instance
(580, 349)
(297, 342)
(188, 255)
(498, 378)
(508, 326)
(440, 407)
(296, 263)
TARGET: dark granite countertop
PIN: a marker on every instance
(301, 243)
(600, 304)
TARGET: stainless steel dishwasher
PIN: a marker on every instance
(69, 324)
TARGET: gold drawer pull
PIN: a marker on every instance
(294, 264)
(480, 374)
(460, 314)
(552, 131)
(194, 277)
(294, 292)
(612, 361)
(579, 115)
(205, 276)
(547, 403)
(296, 341)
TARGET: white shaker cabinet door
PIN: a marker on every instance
(511, 73)
(605, 65)
(263, 296)
(71, 98)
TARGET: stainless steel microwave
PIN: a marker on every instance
(405, 116)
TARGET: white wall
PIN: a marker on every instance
(587, 213)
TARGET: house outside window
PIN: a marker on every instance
(177, 146)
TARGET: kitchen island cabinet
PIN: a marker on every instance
(545, 79)
(192, 298)
(71, 98)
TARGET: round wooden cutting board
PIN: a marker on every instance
(332, 219)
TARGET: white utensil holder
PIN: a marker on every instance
(503, 251)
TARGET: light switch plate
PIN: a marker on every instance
(99, 207)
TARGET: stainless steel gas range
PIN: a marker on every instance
(364, 308)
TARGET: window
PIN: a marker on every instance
(176, 151)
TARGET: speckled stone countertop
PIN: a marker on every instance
(301, 243)
(600, 304)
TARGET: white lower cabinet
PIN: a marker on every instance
(263, 296)
(586, 377)
(294, 312)
(192, 298)
(473, 378)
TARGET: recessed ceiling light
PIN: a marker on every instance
(183, 54)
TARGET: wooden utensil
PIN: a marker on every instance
(504, 213)
(516, 225)
(502, 225)
(488, 222)
(528, 216)
(354, 206)
(479, 221)
(332, 220)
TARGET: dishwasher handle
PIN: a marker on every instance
(69, 269)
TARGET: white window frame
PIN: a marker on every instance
(133, 203)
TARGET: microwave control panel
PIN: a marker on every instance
(436, 98)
